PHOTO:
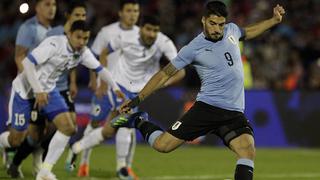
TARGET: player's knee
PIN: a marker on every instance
(71, 130)
(162, 147)
(247, 151)
(68, 129)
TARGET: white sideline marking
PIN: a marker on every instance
(227, 176)
(220, 176)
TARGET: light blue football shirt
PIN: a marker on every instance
(219, 67)
(62, 83)
(31, 33)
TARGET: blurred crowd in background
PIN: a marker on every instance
(285, 58)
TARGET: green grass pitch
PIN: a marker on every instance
(195, 162)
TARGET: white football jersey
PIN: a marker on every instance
(138, 63)
(53, 57)
(105, 35)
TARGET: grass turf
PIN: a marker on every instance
(190, 162)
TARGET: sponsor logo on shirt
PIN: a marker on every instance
(232, 40)
(176, 125)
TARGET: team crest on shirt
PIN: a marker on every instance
(96, 110)
(176, 125)
(34, 115)
(232, 40)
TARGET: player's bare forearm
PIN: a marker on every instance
(176, 78)
(104, 62)
(92, 75)
(20, 54)
(73, 83)
(256, 29)
(157, 81)
(73, 76)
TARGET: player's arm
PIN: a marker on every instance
(41, 54)
(20, 54)
(254, 30)
(73, 83)
(102, 89)
(156, 82)
(41, 96)
(103, 60)
(176, 78)
(92, 80)
(24, 39)
(92, 63)
(96, 48)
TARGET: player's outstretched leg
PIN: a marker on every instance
(159, 140)
(243, 146)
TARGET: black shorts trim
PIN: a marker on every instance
(69, 101)
(203, 119)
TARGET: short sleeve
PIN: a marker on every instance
(44, 51)
(89, 61)
(25, 36)
(237, 31)
(99, 43)
(185, 57)
(168, 48)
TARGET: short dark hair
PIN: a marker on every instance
(150, 19)
(37, 1)
(75, 4)
(79, 25)
(124, 2)
(215, 8)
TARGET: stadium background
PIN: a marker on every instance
(282, 66)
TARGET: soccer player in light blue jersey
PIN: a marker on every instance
(29, 36)
(219, 106)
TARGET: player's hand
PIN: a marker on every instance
(124, 108)
(101, 91)
(92, 85)
(73, 88)
(41, 100)
(278, 12)
(120, 95)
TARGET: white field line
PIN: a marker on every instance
(282, 176)
(230, 176)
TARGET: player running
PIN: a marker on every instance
(37, 87)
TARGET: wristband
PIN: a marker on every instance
(134, 102)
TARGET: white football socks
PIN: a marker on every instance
(125, 146)
(56, 147)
